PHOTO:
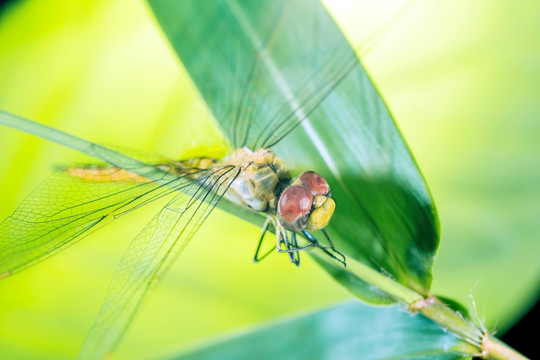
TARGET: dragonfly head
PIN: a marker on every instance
(306, 204)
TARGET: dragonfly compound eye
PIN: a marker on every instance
(314, 182)
(294, 207)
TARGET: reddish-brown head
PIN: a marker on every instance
(306, 204)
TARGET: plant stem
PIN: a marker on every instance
(442, 314)
(493, 348)
(483, 344)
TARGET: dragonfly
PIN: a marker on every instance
(257, 106)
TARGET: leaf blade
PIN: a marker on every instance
(385, 216)
(347, 331)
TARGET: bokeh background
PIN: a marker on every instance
(462, 79)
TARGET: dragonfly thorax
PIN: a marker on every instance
(261, 180)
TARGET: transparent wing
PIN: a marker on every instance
(295, 66)
(150, 255)
(273, 70)
(65, 208)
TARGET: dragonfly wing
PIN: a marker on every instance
(65, 208)
(149, 256)
(264, 84)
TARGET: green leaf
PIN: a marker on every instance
(277, 62)
(348, 331)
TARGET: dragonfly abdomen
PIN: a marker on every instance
(108, 173)
(105, 173)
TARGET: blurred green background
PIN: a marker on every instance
(462, 79)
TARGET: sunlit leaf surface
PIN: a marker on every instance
(269, 65)
(347, 331)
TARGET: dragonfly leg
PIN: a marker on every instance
(295, 245)
(290, 246)
(316, 244)
(328, 238)
(332, 246)
(256, 259)
(293, 249)
(282, 238)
